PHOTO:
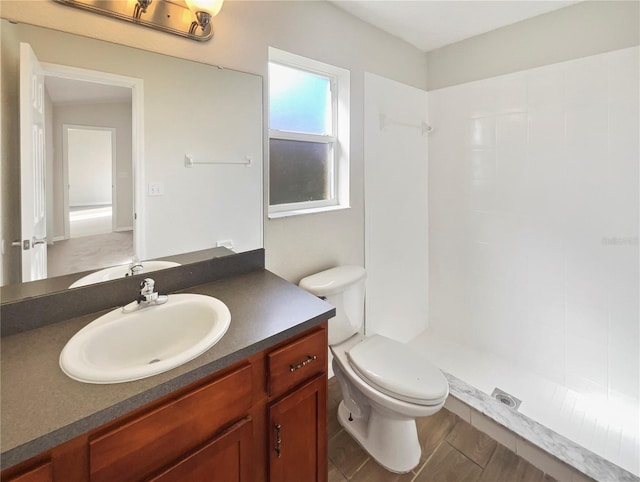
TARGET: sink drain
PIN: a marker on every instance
(506, 399)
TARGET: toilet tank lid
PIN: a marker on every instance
(333, 280)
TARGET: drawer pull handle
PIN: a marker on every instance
(306, 361)
(278, 446)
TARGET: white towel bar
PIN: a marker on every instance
(190, 162)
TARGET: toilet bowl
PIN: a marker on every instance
(385, 384)
(382, 419)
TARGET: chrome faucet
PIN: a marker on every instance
(148, 296)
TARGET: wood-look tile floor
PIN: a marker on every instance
(452, 451)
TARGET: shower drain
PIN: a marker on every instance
(505, 398)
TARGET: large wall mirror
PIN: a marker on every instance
(143, 156)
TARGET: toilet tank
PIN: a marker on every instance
(343, 287)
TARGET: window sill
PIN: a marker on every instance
(299, 212)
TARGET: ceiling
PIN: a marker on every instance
(429, 24)
(73, 91)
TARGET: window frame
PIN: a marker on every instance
(339, 137)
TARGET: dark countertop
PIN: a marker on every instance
(41, 407)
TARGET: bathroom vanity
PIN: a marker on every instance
(252, 408)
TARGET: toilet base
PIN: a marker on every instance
(391, 441)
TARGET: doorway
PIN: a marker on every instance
(89, 162)
(91, 177)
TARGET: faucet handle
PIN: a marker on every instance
(147, 288)
(148, 295)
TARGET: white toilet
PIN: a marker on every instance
(385, 384)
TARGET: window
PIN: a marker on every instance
(308, 135)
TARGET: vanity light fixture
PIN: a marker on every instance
(140, 8)
(204, 11)
(187, 18)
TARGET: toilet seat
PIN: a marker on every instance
(398, 371)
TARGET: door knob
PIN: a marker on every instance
(21, 244)
(35, 241)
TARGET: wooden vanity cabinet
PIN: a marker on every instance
(220, 429)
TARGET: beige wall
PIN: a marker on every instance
(299, 245)
(580, 30)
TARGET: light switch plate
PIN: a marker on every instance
(156, 189)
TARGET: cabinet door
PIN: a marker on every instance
(298, 434)
(227, 458)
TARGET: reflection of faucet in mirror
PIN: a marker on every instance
(134, 268)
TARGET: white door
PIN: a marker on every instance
(32, 167)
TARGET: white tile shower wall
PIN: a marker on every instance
(533, 219)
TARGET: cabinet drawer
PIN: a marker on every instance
(143, 444)
(295, 362)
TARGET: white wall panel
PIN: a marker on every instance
(396, 233)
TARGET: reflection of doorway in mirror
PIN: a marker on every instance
(52, 96)
(92, 154)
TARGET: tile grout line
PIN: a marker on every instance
(443, 441)
(429, 458)
(361, 465)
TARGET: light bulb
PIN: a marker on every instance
(212, 7)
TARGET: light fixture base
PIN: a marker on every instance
(160, 15)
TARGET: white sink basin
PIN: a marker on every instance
(121, 271)
(129, 344)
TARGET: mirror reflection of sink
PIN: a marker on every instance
(125, 345)
(121, 271)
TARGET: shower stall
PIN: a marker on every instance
(533, 256)
(533, 245)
